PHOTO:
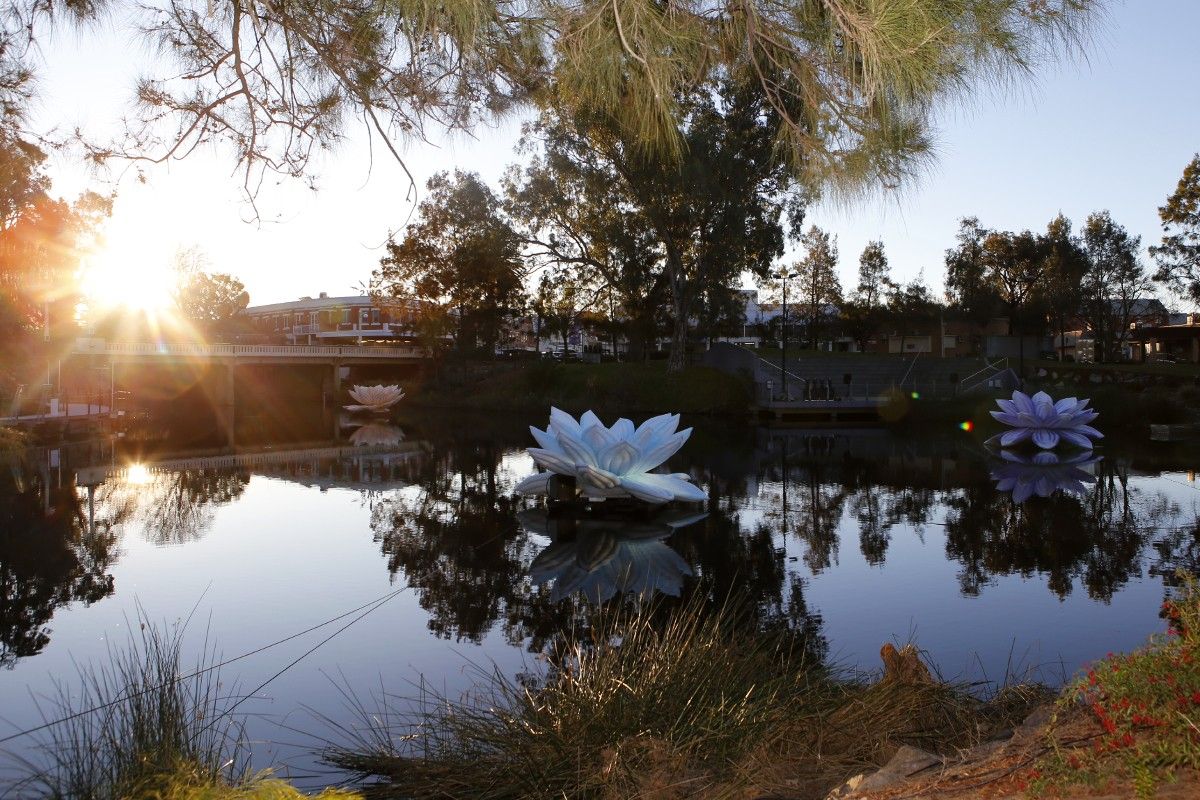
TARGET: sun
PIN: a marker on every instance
(116, 277)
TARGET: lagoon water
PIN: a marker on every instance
(859, 537)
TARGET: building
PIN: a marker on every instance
(1174, 341)
(334, 320)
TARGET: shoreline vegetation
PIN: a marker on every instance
(656, 701)
(648, 388)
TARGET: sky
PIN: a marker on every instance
(1112, 129)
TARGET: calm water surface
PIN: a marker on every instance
(858, 537)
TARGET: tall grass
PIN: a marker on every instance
(696, 705)
(137, 724)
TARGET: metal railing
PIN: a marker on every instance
(908, 371)
(198, 350)
(993, 370)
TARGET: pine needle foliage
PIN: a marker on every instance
(856, 81)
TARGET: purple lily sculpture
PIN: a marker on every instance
(1043, 474)
(1046, 422)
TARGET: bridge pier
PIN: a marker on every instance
(225, 399)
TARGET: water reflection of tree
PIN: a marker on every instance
(1098, 538)
(455, 537)
(172, 507)
(49, 558)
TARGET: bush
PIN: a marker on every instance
(1147, 706)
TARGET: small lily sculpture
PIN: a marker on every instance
(609, 462)
(1045, 422)
(1043, 474)
(375, 399)
(375, 434)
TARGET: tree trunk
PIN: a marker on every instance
(680, 302)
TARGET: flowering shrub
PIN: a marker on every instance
(1147, 704)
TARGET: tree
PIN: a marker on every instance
(561, 299)
(702, 222)
(967, 287)
(817, 279)
(1178, 256)
(211, 302)
(1066, 265)
(42, 241)
(1013, 266)
(874, 276)
(856, 85)
(571, 214)
(461, 260)
(911, 307)
(1114, 282)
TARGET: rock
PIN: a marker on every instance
(907, 762)
(903, 665)
(847, 789)
(1037, 719)
(982, 752)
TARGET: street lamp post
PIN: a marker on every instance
(782, 276)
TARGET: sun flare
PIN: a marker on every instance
(116, 278)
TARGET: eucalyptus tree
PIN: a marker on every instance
(862, 312)
(874, 275)
(1178, 255)
(1066, 266)
(1114, 283)
(855, 85)
(572, 217)
(684, 229)
(817, 280)
(460, 261)
(969, 291)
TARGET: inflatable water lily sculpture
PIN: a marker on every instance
(1043, 473)
(1045, 422)
(375, 399)
(610, 462)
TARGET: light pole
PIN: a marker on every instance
(782, 276)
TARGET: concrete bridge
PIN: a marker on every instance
(342, 355)
(215, 366)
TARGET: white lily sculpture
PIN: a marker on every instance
(611, 462)
(376, 399)
(1046, 422)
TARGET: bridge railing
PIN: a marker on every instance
(200, 350)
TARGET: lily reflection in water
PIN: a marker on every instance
(600, 557)
(1043, 473)
(374, 434)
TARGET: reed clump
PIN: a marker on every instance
(650, 704)
(142, 724)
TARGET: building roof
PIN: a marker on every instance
(321, 302)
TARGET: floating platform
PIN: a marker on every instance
(839, 413)
(1174, 433)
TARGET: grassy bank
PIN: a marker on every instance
(696, 707)
(651, 701)
(146, 725)
(607, 388)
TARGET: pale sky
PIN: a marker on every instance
(1113, 132)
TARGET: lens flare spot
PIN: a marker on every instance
(916, 395)
(967, 426)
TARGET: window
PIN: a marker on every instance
(374, 316)
(345, 316)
